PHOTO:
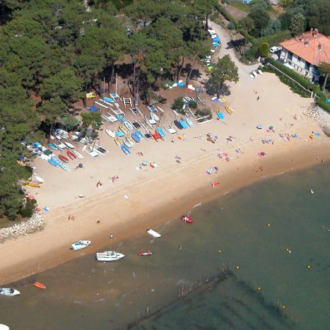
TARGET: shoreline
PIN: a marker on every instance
(157, 217)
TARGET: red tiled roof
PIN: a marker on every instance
(313, 47)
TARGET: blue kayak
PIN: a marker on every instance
(54, 162)
(53, 146)
(183, 124)
(221, 115)
(120, 134)
(108, 99)
(178, 124)
(65, 167)
(135, 137)
(190, 123)
(125, 149)
(161, 132)
(139, 134)
(121, 118)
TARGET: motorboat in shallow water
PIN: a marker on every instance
(109, 256)
(4, 327)
(80, 245)
(10, 292)
(187, 219)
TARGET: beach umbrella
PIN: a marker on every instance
(81, 165)
(145, 163)
(271, 127)
(259, 126)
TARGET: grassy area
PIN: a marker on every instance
(241, 6)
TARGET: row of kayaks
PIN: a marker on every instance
(62, 160)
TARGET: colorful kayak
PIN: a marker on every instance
(123, 128)
(63, 159)
(120, 118)
(183, 124)
(69, 145)
(187, 219)
(161, 132)
(34, 185)
(139, 134)
(145, 254)
(128, 143)
(71, 155)
(220, 115)
(229, 110)
(178, 124)
(128, 125)
(125, 150)
(54, 162)
(110, 133)
(120, 134)
(153, 233)
(156, 136)
(118, 141)
(65, 167)
(53, 146)
(135, 137)
(80, 156)
(39, 285)
(190, 123)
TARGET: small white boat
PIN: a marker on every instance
(110, 133)
(62, 146)
(128, 125)
(11, 292)
(312, 191)
(109, 256)
(80, 245)
(79, 155)
(153, 233)
(69, 145)
(4, 327)
(39, 179)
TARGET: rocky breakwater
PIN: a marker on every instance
(34, 224)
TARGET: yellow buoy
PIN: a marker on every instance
(237, 267)
(287, 249)
(283, 306)
(309, 267)
(220, 251)
(269, 225)
(259, 288)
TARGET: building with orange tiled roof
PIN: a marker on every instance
(306, 52)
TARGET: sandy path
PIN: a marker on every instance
(156, 195)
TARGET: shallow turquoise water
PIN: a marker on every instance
(254, 228)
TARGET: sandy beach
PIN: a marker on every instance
(148, 197)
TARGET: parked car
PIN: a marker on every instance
(275, 49)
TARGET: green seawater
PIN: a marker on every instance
(274, 236)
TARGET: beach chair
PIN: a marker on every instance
(111, 118)
(127, 101)
(160, 109)
(260, 72)
(252, 76)
(255, 74)
(152, 108)
(102, 105)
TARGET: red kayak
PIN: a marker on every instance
(157, 136)
(187, 219)
(71, 155)
(39, 285)
(144, 254)
(63, 159)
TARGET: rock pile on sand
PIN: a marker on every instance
(36, 223)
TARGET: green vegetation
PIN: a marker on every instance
(241, 6)
(264, 49)
(54, 52)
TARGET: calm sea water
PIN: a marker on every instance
(274, 235)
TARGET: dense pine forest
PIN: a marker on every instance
(52, 52)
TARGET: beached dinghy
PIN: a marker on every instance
(63, 159)
(125, 149)
(187, 219)
(39, 179)
(79, 155)
(54, 162)
(10, 292)
(80, 245)
(153, 233)
(145, 254)
(161, 132)
(64, 167)
(189, 122)
(71, 155)
(128, 125)
(69, 145)
(109, 256)
(53, 146)
(135, 137)
(110, 133)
